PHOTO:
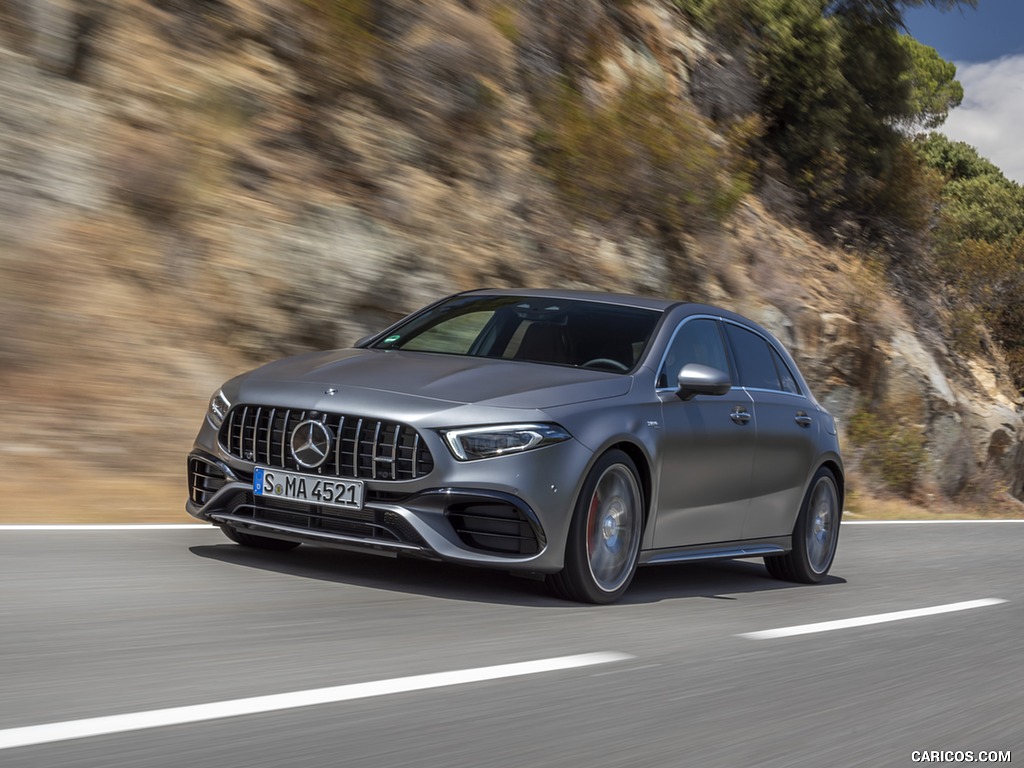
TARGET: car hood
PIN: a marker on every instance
(386, 378)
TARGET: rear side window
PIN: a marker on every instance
(786, 377)
(754, 359)
(697, 341)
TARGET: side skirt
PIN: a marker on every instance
(723, 550)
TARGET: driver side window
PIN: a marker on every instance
(697, 341)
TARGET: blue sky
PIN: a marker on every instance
(987, 46)
(992, 30)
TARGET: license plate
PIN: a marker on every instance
(294, 486)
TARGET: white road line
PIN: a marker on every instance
(97, 726)
(926, 522)
(863, 621)
(106, 527)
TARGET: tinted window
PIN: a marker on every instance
(698, 341)
(786, 376)
(754, 359)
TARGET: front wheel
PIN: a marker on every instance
(257, 542)
(603, 546)
(815, 534)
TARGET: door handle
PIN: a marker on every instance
(803, 419)
(739, 415)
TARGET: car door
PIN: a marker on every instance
(787, 429)
(707, 447)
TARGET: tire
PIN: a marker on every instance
(815, 534)
(603, 545)
(258, 542)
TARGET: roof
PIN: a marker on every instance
(622, 299)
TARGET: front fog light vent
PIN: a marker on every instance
(204, 480)
(493, 527)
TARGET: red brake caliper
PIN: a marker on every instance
(592, 525)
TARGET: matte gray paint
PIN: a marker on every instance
(715, 483)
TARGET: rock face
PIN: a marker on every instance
(188, 188)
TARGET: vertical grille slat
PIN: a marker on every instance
(231, 428)
(255, 434)
(241, 431)
(339, 445)
(370, 449)
(373, 455)
(284, 436)
(393, 471)
(270, 432)
(356, 449)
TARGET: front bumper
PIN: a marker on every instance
(510, 512)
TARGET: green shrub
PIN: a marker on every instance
(503, 17)
(345, 35)
(642, 154)
(892, 451)
(909, 190)
(700, 12)
(725, 19)
(965, 335)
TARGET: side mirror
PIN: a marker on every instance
(696, 379)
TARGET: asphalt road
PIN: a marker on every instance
(100, 623)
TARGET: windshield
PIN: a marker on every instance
(573, 332)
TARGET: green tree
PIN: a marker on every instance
(954, 159)
(895, 83)
(979, 244)
(840, 85)
(890, 12)
(805, 97)
(978, 201)
(988, 207)
(932, 88)
(871, 57)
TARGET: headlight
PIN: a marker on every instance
(484, 442)
(219, 407)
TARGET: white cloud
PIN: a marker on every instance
(991, 117)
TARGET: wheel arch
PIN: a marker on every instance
(643, 467)
(837, 471)
(578, 579)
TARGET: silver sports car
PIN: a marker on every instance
(566, 434)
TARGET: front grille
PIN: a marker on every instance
(367, 449)
(493, 527)
(204, 480)
(368, 524)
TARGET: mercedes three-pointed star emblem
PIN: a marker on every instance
(311, 443)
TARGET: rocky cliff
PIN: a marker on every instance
(189, 187)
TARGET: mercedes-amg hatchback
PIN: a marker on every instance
(574, 435)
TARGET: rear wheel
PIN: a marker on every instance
(604, 537)
(815, 534)
(257, 542)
